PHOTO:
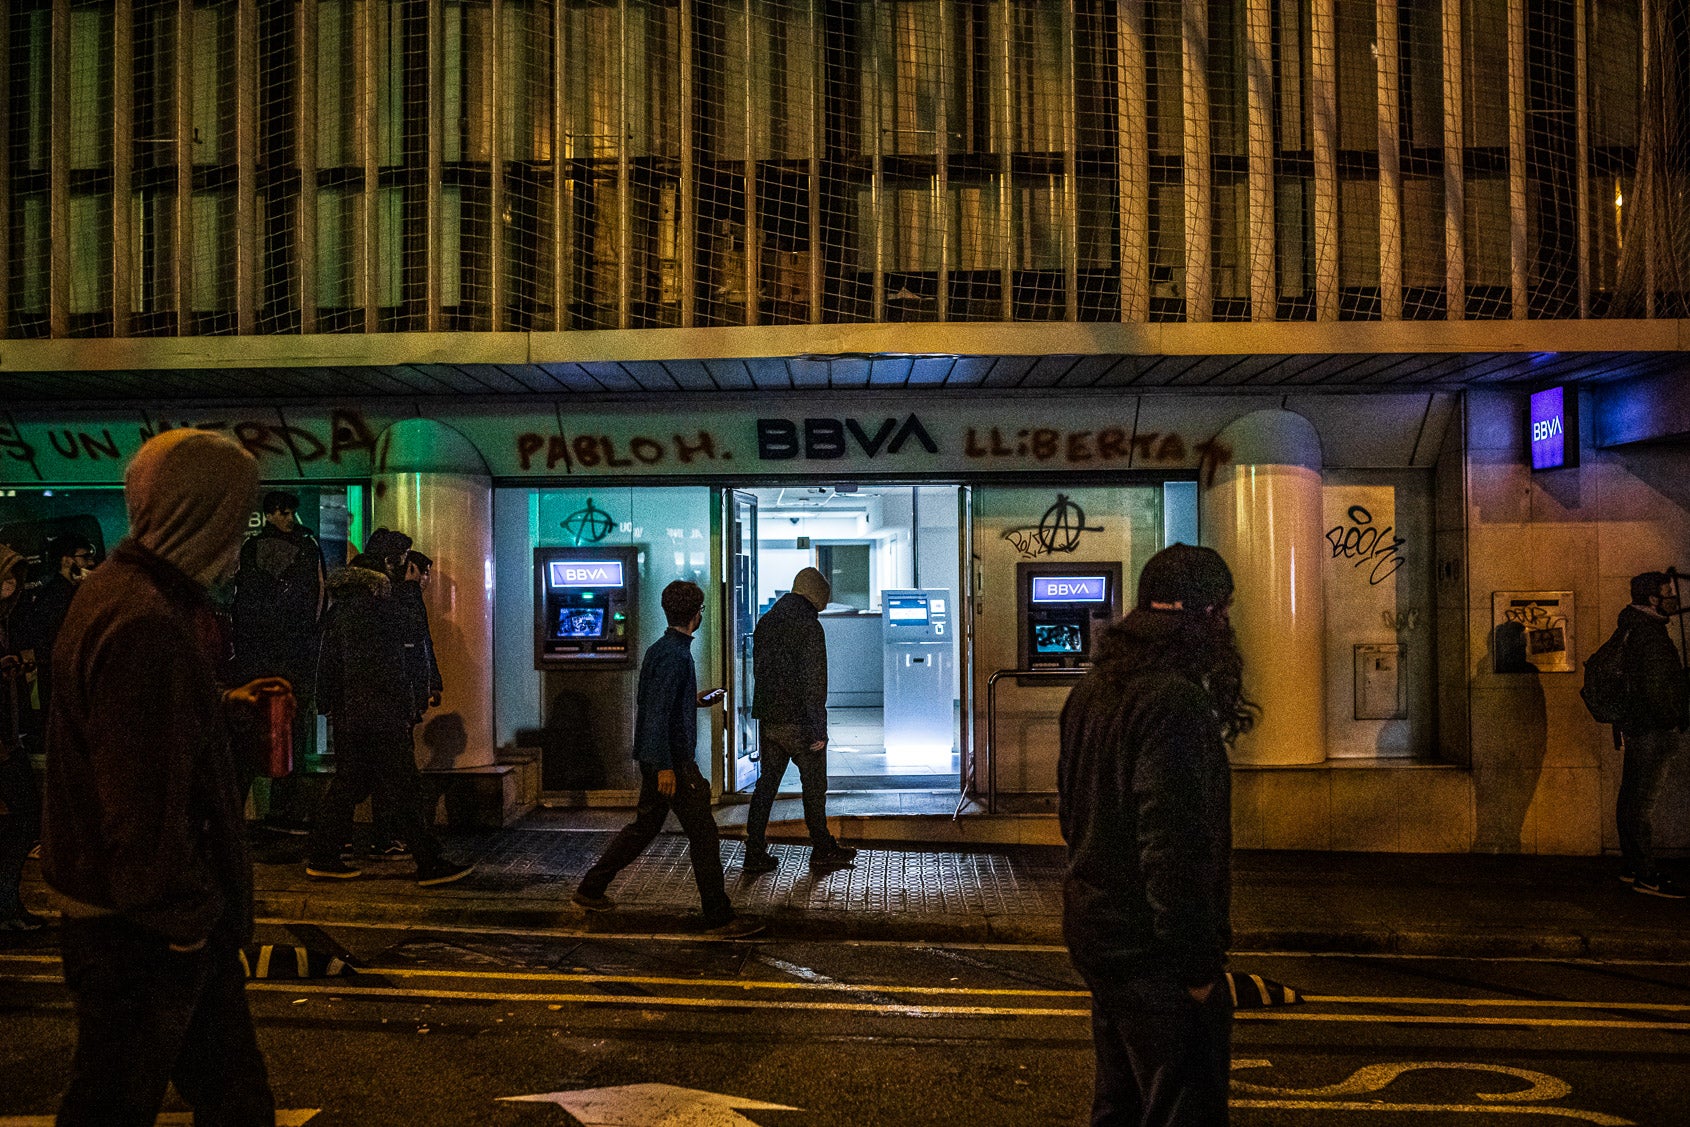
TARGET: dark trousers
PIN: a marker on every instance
(1647, 757)
(20, 825)
(377, 765)
(691, 804)
(147, 1016)
(778, 746)
(1162, 1061)
(384, 824)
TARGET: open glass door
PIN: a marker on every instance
(966, 567)
(741, 544)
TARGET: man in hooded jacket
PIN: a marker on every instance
(1144, 804)
(789, 669)
(143, 842)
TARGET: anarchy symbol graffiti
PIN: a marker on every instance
(1057, 531)
(589, 525)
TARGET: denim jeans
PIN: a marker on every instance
(691, 804)
(1647, 757)
(780, 745)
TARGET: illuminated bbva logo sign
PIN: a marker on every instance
(586, 573)
(1553, 429)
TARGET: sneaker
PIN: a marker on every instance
(1663, 887)
(394, 848)
(35, 852)
(827, 860)
(1628, 875)
(442, 872)
(761, 861)
(740, 927)
(332, 870)
(592, 903)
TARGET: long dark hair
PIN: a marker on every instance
(1199, 646)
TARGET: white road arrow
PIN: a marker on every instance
(652, 1105)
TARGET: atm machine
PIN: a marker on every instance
(1060, 610)
(584, 607)
(919, 644)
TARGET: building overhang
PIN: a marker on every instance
(1034, 357)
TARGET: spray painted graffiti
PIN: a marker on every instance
(589, 525)
(1360, 540)
(1059, 530)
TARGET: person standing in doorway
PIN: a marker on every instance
(789, 669)
(144, 843)
(665, 750)
(72, 559)
(1144, 792)
(1657, 711)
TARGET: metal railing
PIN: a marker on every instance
(992, 721)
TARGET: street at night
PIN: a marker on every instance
(446, 1026)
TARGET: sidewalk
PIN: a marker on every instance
(1461, 904)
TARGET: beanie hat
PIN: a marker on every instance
(813, 586)
(1183, 577)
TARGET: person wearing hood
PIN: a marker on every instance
(20, 804)
(1144, 803)
(363, 688)
(144, 841)
(789, 670)
(1657, 710)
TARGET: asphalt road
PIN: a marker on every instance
(446, 1026)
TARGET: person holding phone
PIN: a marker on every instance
(665, 746)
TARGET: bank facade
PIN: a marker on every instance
(974, 306)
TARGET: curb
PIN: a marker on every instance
(974, 928)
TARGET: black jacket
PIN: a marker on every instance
(278, 590)
(1145, 807)
(1656, 694)
(422, 669)
(144, 815)
(789, 668)
(362, 679)
(666, 717)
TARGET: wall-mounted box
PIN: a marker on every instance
(1380, 687)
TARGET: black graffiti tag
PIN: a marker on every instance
(1362, 541)
(1057, 531)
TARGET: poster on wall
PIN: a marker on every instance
(1532, 632)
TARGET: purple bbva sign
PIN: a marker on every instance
(1069, 588)
(1553, 436)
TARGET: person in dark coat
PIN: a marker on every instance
(789, 671)
(278, 606)
(72, 558)
(362, 687)
(1657, 710)
(143, 842)
(1144, 792)
(20, 804)
(424, 668)
(665, 750)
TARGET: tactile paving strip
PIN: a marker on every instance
(883, 880)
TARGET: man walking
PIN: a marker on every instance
(1657, 709)
(665, 745)
(143, 840)
(789, 668)
(1144, 803)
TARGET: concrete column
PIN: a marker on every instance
(433, 485)
(1262, 513)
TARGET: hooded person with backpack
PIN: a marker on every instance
(1653, 711)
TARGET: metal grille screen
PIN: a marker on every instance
(223, 166)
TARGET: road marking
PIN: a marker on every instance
(285, 1117)
(641, 1105)
(1503, 1003)
(815, 982)
(1376, 1077)
(1469, 1109)
(1452, 1019)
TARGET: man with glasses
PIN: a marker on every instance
(665, 746)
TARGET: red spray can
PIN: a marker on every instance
(279, 761)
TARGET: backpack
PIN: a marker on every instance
(1606, 689)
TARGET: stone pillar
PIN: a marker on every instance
(432, 484)
(1262, 512)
